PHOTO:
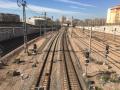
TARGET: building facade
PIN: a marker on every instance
(36, 21)
(6, 17)
(113, 15)
(63, 20)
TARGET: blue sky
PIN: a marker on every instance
(78, 8)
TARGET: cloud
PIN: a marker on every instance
(8, 5)
(76, 3)
(13, 5)
(75, 7)
(52, 10)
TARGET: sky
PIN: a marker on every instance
(81, 9)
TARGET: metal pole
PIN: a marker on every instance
(52, 23)
(45, 23)
(106, 54)
(114, 34)
(72, 26)
(24, 25)
(86, 69)
(40, 30)
(90, 40)
(104, 34)
(105, 59)
(13, 31)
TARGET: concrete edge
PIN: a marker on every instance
(16, 51)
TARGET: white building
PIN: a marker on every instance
(113, 15)
(36, 21)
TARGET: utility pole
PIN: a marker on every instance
(52, 23)
(40, 29)
(104, 33)
(72, 26)
(114, 34)
(90, 40)
(23, 3)
(83, 30)
(45, 23)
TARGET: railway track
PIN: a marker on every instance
(73, 81)
(97, 52)
(105, 37)
(44, 78)
(67, 76)
(97, 40)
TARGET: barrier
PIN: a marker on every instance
(6, 58)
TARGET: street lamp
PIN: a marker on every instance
(23, 3)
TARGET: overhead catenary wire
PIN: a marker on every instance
(34, 11)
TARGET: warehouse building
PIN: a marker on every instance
(113, 15)
(39, 21)
(36, 21)
(6, 17)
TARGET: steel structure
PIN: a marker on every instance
(23, 3)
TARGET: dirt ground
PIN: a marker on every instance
(106, 77)
(25, 71)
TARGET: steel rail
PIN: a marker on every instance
(81, 40)
(69, 65)
(45, 61)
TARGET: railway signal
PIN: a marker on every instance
(35, 48)
(87, 56)
(23, 3)
(106, 53)
(107, 49)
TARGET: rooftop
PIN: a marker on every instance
(116, 7)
